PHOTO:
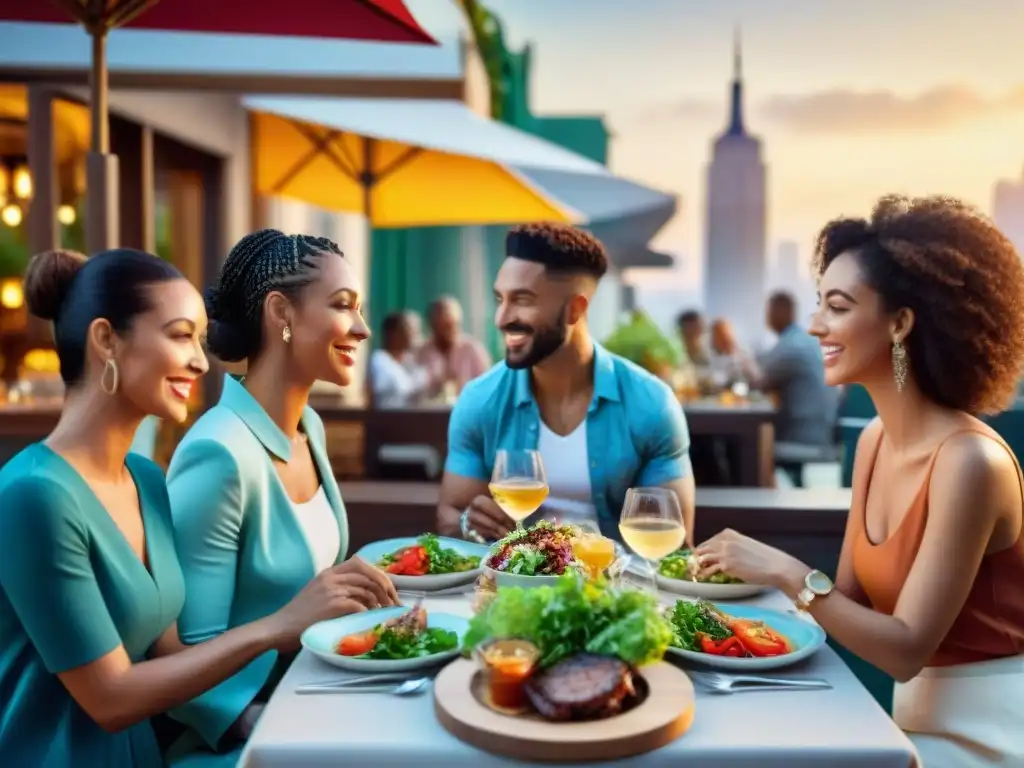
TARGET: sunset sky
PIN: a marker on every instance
(851, 99)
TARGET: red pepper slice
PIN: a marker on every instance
(728, 646)
(759, 639)
(414, 561)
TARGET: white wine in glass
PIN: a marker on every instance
(652, 525)
(518, 483)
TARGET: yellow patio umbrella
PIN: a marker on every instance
(405, 163)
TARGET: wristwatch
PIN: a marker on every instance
(470, 534)
(816, 584)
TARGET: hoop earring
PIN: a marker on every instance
(286, 334)
(115, 377)
(899, 365)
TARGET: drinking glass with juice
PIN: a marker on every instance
(652, 525)
(518, 483)
(594, 551)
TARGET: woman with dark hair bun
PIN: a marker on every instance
(923, 305)
(90, 585)
(257, 512)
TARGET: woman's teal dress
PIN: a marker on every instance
(71, 591)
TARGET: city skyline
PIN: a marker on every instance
(852, 101)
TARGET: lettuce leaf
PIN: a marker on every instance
(574, 616)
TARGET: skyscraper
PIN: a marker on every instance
(734, 256)
(1008, 211)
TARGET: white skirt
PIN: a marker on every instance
(965, 716)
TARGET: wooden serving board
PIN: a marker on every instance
(662, 717)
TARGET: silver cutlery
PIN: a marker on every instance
(462, 589)
(719, 683)
(381, 677)
(406, 688)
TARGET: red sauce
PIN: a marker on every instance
(507, 676)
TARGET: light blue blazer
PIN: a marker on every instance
(241, 549)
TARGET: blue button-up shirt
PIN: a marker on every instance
(636, 430)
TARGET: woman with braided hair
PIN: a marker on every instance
(256, 510)
(923, 304)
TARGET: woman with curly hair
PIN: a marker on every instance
(923, 305)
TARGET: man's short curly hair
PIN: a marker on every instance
(964, 282)
(560, 248)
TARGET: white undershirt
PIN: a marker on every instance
(320, 527)
(567, 466)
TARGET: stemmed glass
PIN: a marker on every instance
(652, 525)
(518, 483)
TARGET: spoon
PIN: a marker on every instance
(408, 688)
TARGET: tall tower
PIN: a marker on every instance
(1008, 210)
(734, 255)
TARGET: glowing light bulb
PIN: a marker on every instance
(11, 215)
(22, 183)
(11, 295)
(66, 215)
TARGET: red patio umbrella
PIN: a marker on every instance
(379, 20)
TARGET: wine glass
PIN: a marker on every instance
(518, 483)
(652, 525)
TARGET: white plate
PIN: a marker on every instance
(371, 553)
(806, 637)
(321, 639)
(708, 591)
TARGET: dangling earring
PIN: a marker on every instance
(115, 377)
(899, 365)
(286, 334)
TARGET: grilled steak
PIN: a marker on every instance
(582, 687)
(411, 622)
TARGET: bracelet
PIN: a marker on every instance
(469, 533)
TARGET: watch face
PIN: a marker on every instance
(819, 583)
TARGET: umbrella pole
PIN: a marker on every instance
(366, 180)
(101, 213)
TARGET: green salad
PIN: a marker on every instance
(426, 558)
(400, 645)
(406, 636)
(691, 620)
(679, 565)
(575, 616)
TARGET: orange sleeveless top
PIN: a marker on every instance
(991, 624)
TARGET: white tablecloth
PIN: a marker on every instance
(839, 728)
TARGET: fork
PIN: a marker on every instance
(719, 683)
(462, 589)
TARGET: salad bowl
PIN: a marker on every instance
(439, 550)
(533, 557)
(322, 640)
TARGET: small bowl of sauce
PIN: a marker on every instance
(507, 664)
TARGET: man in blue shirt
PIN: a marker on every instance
(601, 424)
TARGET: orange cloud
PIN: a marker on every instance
(845, 111)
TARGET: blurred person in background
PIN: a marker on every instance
(451, 355)
(793, 371)
(690, 325)
(398, 381)
(730, 364)
(921, 305)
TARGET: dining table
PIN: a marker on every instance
(840, 727)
